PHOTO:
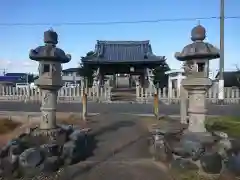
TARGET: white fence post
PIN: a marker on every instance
(71, 95)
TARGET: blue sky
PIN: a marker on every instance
(166, 37)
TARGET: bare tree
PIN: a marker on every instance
(237, 73)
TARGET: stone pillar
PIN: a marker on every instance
(197, 110)
(179, 79)
(84, 106)
(183, 105)
(169, 87)
(101, 78)
(137, 88)
(96, 77)
(48, 109)
(130, 81)
(82, 81)
(141, 80)
(149, 75)
(114, 81)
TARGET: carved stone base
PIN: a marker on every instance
(39, 151)
(207, 152)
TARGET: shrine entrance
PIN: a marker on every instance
(123, 66)
(123, 81)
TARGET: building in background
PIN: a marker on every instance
(71, 76)
(231, 79)
(134, 58)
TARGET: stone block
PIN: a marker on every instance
(4, 151)
(183, 164)
(31, 158)
(77, 135)
(233, 164)
(51, 164)
(194, 148)
(8, 166)
(73, 152)
(179, 150)
(204, 138)
(235, 143)
(50, 150)
(211, 162)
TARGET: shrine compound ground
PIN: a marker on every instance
(121, 152)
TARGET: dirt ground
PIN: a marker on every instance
(120, 151)
(26, 123)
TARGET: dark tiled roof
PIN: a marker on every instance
(9, 78)
(71, 70)
(230, 78)
(16, 74)
(124, 51)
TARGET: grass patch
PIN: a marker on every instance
(7, 125)
(191, 175)
(227, 124)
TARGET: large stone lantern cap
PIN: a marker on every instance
(50, 37)
(198, 49)
(49, 52)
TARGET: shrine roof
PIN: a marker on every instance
(71, 70)
(230, 78)
(124, 51)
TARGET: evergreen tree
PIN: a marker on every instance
(160, 77)
(85, 70)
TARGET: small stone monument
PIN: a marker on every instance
(197, 56)
(50, 80)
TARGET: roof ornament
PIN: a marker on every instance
(51, 29)
(198, 33)
(199, 22)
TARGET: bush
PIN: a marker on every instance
(227, 124)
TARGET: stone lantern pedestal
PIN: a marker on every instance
(197, 89)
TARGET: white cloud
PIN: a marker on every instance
(5, 63)
(29, 63)
(19, 66)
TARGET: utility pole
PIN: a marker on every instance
(221, 61)
(27, 77)
(4, 71)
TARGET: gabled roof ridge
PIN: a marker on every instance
(122, 42)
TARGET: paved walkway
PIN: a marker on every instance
(121, 152)
(232, 109)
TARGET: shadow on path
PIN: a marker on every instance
(121, 152)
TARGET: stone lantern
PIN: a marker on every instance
(44, 149)
(196, 56)
(50, 81)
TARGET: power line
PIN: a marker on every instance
(115, 22)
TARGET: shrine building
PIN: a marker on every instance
(134, 58)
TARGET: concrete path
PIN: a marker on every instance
(121, 152)
(118, 108)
